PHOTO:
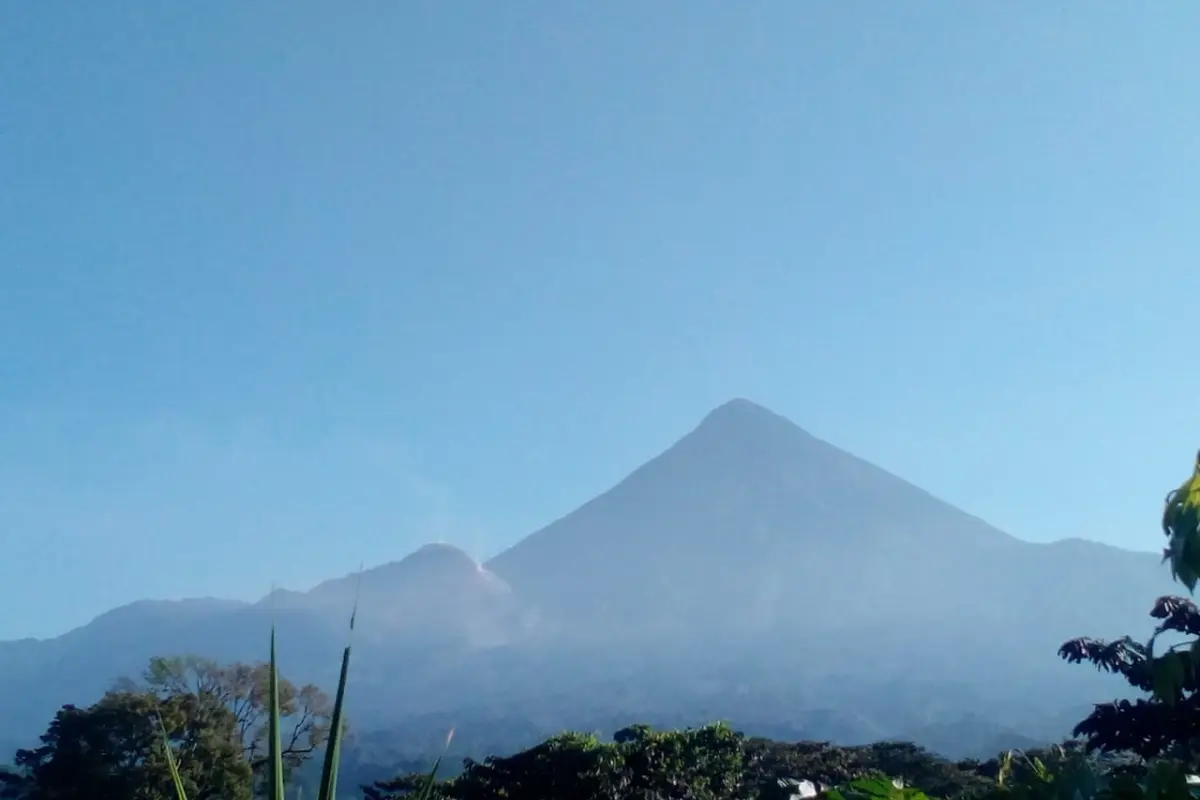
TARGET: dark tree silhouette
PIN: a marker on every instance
(1165, 723)
(114, 749)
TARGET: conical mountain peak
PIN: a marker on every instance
(739, 409)
(721, 525)
(748, 422)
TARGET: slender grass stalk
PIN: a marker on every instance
(176, 778)
(274, 741)
(427, 789)
(333, 749)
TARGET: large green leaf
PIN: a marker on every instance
(1181, 524)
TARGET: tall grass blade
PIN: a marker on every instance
(176, 778)
(427, 790)
(274, 742)
(333, 750)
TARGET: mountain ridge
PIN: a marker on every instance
(746, 536)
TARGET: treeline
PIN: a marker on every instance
(218, 718)
(709, 762)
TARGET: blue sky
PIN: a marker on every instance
(284, 287)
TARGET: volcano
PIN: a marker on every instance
(751, 572)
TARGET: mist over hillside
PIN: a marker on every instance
(745, 574)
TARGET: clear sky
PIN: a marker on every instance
(287, 286)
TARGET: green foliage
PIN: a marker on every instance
(1073, 773)
(708, 763)
(1165, 723)
(275, 745)
(1181, 524)
(1060, 773)
(223, 708)
(567, 765)
(407, 787)
(875, 789)
(1161, 729)
(192, 731)
(827, 764)
(114, 749)
(243, 688)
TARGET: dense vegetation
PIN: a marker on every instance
(194, 729)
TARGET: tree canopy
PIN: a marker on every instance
(242, 689)
(713, 762)
(1166, 722)
(215, 717)
(115, 749)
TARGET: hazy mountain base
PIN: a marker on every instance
(505, 699)
(752, 572)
